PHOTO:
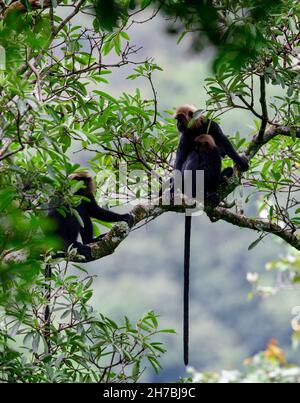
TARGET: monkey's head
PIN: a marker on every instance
(87, 179)
(206, 142)
(184, 116)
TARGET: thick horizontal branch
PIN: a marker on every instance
(120, 231)
(259, 141)
(256, 225)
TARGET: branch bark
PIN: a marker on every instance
(256, 225)
(19, 6)
(273, 131)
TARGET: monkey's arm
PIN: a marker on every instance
(228, 148)
(102, 214)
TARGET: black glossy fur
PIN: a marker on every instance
(206, 156)
(68, 228)
(188, 135)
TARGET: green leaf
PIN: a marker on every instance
(290, 91)
(155, 364)
(125, 35)
(255, 243)
(145, 3)
(106, 96)
(66, 314)
(181, 37)
(26, 4)
(14, 329)
(136, 370)
(159, 347)
(59, 360)
(36, 343)
(78, 217)
(171, 331)
(117, 44)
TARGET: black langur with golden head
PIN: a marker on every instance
(68, 227)
(190, 128)
(202, 146)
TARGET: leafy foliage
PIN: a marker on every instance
(266, 367)
(54, 102)
(47, 109)
(287, 269)
(236, 28)
(80, 345)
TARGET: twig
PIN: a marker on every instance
(69, 17)
(37, 89)
(154, 100)
(6, 142)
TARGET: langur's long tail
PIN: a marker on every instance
(187, 247)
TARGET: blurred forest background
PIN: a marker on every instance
(146, 270)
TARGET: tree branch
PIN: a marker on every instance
(258, 142)
(259, 225)
(69, 17)
(120, 231)
(19, 6)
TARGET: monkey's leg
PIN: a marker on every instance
(87, 231)
(83, 250)
(102, 214)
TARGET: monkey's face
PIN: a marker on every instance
(183, 120)
(87, 181)
(186, 121)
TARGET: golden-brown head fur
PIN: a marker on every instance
(87, 179)
(206, 141)
(185, 114)
(185, 110)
